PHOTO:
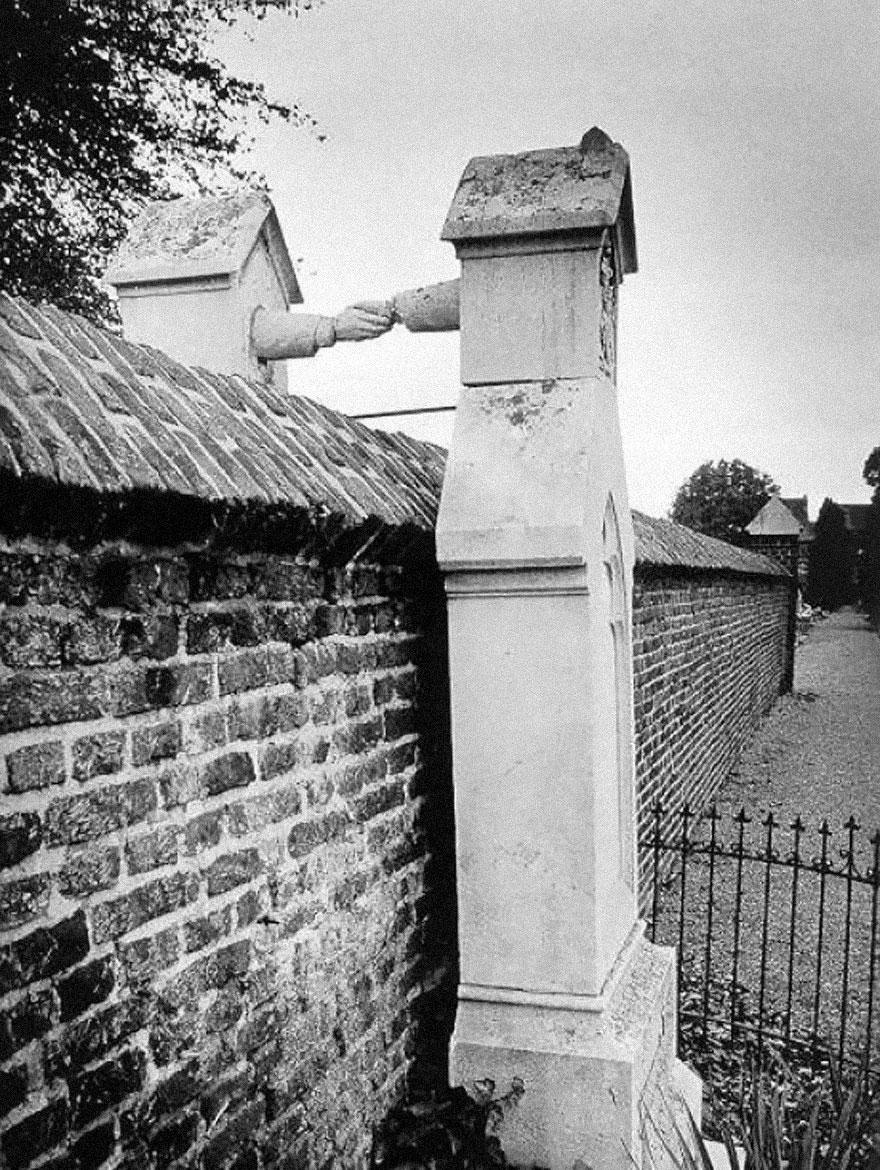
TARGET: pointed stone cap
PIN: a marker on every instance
(774, 519)
(190, 239)
(569, 188)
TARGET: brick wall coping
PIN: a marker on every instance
(83, 408)
(664, 544)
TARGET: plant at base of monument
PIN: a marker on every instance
(102, 107)
(787, 1121)
(448, 1131)
(720, 499)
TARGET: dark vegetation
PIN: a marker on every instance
(104, 106)
(831, 580)
(720, 499)
(871, 554)
(446, 1131)
(806, 1118)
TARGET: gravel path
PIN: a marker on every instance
(818, 752)
(817, 755)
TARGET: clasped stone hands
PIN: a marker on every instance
(364, 320)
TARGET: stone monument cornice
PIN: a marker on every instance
(576, 190)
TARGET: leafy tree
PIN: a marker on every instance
(871, 471)
(721, 498)
(871, 579)
(830, 573)
(105, 104)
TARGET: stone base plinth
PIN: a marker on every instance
(603, 1087)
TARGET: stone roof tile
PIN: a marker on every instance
(665, 544)
(84, 407)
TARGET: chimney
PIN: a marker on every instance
(193, 272)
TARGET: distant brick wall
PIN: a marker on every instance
(710, 656)
(226, 893)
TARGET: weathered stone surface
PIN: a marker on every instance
(20, 835)
(202, 832)
(31, 639)
(72, 819)
(159, 741)
(35, 1134)
(84, 987)
(25, 1020)
(96, 1090)
(86, 870)
(101, 754)
(44, 952)
(152, 900)
(37, 766)
(234, 770)
(152, 850)
(143, 959)
(202, 932)
(23, 900)
(29, 699)
(233, 869)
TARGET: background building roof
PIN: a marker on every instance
(775, 519)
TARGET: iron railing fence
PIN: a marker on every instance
(775, 926)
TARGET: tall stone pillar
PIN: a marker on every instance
(558, 987)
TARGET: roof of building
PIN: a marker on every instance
(81, 406)
(179, 239)
(799, 507)
(775, 519)
(665, 544)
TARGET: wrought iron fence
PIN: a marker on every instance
(776, 930)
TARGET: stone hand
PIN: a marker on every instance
(364, 320)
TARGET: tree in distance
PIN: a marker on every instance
(871, 575)
(720, 499)
(830, 574)
(104, 106)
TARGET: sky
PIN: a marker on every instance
(752, 328)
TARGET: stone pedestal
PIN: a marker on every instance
(558, 986)
(603, 1087)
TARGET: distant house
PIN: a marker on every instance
(778, 522)
(784, 517)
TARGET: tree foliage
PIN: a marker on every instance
(830, 573)
(871, 575)
(871, 471)
(105, 104)
(721, 498)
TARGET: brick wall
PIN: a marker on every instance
(227, 922)
(710, 656)
(226, 894)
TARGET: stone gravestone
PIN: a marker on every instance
(559, 987)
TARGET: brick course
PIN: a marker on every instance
(210, 874)
(709, 659)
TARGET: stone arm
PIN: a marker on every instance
(276, 335)
(432, 309)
